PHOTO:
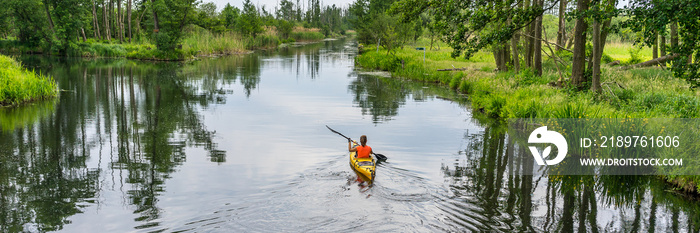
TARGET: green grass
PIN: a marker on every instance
(200, 41)
(19, 85)
(622, 52)
(196, 41)
(302, 36)
(641, 93)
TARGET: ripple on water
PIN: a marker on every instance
(327, 198)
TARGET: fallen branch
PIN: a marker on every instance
(453, 69)
(652, 62)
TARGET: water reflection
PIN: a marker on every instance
(136, 118)
(122, 140)
(383, 97)
(558, 203)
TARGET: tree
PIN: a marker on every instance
(172, 17)
(69, 19)
(561, 33)
(230, 16)
(106, 21)
(284, 28)
(7, 25)
(649, 17)
(286, 11)
(579, 58)
(469, 26)
(374, 25)
(207, 16)
(249, 23)
(95, 22)
(31, 23)
(128, 17)
(602, 14)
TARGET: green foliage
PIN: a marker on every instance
(19, 85)
(263, 41)
(284, 28)
(606, 58)
(652, 17)
(172, 15)
(68, 21)
(199, 41)
(31, 22)
(249, 23)
(485, 23)
(230, 16)
(306, 36)
(374, 26)
(634, 55)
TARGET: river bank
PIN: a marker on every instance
(637, 93)
(19, 85)
(197, 42)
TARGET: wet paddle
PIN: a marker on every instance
(380, 157)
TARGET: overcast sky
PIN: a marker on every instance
(270, 4)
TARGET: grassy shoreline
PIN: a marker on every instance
(637, 93)
(198, 42)
(19, 85)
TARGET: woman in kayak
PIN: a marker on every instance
(363, 151)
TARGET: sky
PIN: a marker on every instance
(270, 4)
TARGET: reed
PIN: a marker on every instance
(19, 85)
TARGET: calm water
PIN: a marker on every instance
(239, 143)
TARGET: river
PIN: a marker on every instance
(239, 144)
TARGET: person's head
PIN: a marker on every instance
(363, 140)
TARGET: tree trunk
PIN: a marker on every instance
(514, 48)
(120, 21)
(579, 56)
(155, 18)
(595, 74)
(652, 62)
(537, 47)
(48, 15)
(112, 20)
(561, 34)
(96, 23)
(674, 35)
(655, 47)
(106, 20)
(600, 34)
(662, 46)
(82, 31)
(529, 41)
(128, 16)
(570, 41)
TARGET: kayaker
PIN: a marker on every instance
(363, 150)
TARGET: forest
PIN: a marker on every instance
(160, 29)
(513, 31)
(544, 59)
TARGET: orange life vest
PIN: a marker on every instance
(363, 151)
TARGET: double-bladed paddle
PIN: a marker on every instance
(379, 156)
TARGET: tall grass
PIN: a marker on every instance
(302, 34)
(19, 85)
(199, 41)
(306, 36)
(636, 93)
(643, 93)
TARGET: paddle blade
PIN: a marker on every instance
(381, 157)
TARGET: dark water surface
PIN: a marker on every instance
(239, 144)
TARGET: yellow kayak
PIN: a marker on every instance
(365, 167)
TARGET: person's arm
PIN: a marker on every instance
(350, 148)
